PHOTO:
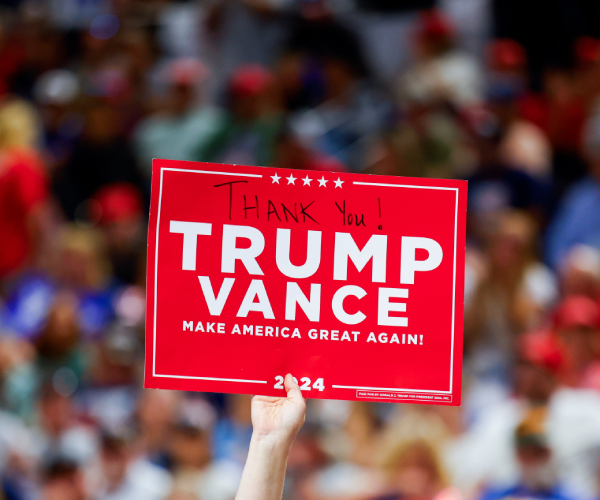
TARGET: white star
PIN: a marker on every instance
(291, 179)
(275, 178)
(322, 181)
(306, 181)
(338, 183)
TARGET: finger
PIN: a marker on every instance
(292, 388)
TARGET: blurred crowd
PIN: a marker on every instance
(505, 94)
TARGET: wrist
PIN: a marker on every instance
(272, 443)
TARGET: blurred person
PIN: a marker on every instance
(18, 457)
(587, 68)
(100, 157)
(441, 71)
(579, 272)
(507, 62)
(325, 78)
(496, 186)
(58, 345)
(115, 361)
(248, 133)
(60, 430)
(139, 54)
(58, 311)
(485, 453)
(413, 470)
(242, 32)
(62, 479)
(409, 451)
(57, 354)
(577, 325)
(524, 146)
(44, 50)
(23, 188)
(154, 419)
(123, 475)
(577, 218)
(349, 439)
(434, 425)
(110, 396)
(233, 431)
(82, 268)
(537, 471)
(119, 210)
(12, 53)
(185, 123)
(194, 470)
(17, 375)
(353, 438)
(55, 93)
(560, 112)
(430, 141)
(513, 291)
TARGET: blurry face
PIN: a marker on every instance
(62, 331)
(533, 383)
(74, 268)
(190, 449)
(65, 487)
(114, 465)
(338, 77)
(580, 345)
(156, 409)
(289, 73)
(56, 412)
(417, 475)
(247, 107)
(123, 236)
(507, 251)
(537, 471)
(182, 97)
(101, 124)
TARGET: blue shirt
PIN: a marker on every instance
(577, 221)
(520, 491)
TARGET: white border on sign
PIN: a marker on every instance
(154, 374)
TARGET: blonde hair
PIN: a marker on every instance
(19, 125)
(88, 242)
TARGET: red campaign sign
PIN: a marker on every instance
(353, 283)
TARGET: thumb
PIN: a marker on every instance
(292, 388)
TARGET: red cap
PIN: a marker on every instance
(539, 348)
(577, 311)
(433, 24)
(250, 80)
(507, 54)
(117, 202)
(587, 50)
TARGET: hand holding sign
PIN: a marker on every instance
(279, 419)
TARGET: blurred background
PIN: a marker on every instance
(505, 94)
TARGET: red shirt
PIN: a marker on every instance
(23, 187)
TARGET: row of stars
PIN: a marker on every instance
(307, 180)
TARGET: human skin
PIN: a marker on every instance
(275, 422)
